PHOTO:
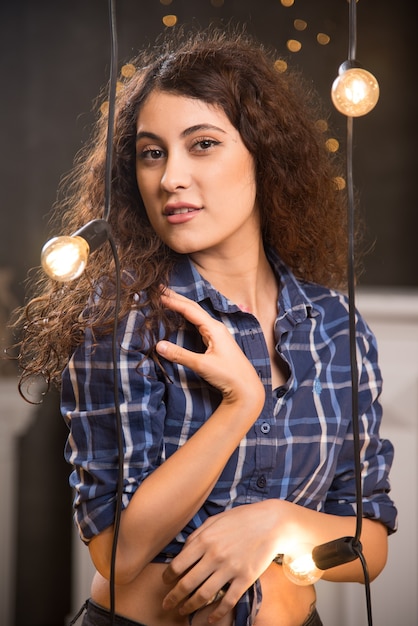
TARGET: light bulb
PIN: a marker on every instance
(355, 91)
(299, 566)
(64, 258)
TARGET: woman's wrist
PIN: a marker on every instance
(251, 396)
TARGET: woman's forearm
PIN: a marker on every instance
(174, 492)
(169, 497)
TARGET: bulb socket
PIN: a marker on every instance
(336, 552)
(96, 233)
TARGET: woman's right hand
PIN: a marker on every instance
(223, 364)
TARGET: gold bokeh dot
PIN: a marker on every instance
(340, 182)
(104, 108)
(170, 20)
(166, 2)
(321, 125)
(300, 24)
(119, 86)
(217, 3)
(127, 70)
(332, 145)
(323, 39)
(293, 45)
(287, 3)
(280, 65)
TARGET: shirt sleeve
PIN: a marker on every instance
(376, 454)
(88, 405)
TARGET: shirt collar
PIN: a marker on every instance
(186, 280)
(294, 303)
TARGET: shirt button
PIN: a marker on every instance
(265, 428)
(280, 392)
(261, 481)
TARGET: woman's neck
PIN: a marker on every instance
(246, 278)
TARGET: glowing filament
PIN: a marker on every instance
(355, 92)
(299, 566)
(64, 258)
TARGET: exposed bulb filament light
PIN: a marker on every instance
(304, 564)
(355, 91)
(299, 566)
(65, 258)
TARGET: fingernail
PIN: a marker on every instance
(168, 603)
(161, 347)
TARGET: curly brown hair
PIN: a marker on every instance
(303, 213)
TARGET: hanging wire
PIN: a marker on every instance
(106, 234)
(352, 30)
(356, 545)
(351, 291)
(107, 208)
(119, 491)
(111, 112)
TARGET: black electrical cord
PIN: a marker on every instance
(111, 104)
(119, 492)
(107, 208)
(352, 46)
(355, 542)
(351, 281)
(97, 232)
(347, 549)
(119, 432)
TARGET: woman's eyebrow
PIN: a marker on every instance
(200, 127)
(148, 135)
(186, 132)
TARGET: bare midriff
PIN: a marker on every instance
(284, 603)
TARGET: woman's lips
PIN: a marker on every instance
(180, 213)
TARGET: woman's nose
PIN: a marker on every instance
(176, 174)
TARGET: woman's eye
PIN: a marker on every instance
(204, 144)
(151, 154)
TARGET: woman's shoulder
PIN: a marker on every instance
(325, 297)
(333, 308)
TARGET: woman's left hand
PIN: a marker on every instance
(232, 548)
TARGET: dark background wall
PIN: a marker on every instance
(54, 58)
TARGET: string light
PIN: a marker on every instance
(64, 258)
(304, 564)
(355, 91)
(299, 566)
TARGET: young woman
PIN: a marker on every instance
(233, 347)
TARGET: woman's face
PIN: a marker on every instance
(195, 176)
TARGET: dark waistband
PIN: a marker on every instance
(313, 620)
(98, 616)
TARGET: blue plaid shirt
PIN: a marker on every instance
(299, 449)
